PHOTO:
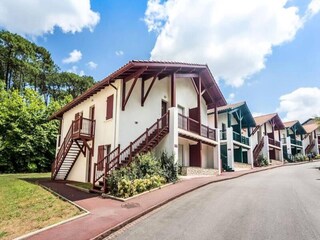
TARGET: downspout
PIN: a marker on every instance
(116, 115)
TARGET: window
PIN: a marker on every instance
(180, 110)
(109, 110)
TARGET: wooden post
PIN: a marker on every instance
(199, 104)
(173, 91)
(130, 158)
(215, 116)
(147, 136)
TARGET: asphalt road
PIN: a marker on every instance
(283, 203)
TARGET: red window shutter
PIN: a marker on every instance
(100, 157)
(109, 113)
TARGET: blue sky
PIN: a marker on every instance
(278, 71)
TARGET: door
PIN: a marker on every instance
(164, 109)
(91, 117)
(77, 121)
(195, 155)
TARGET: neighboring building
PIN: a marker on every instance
(234, 122)
(266, 138)
(144, 105)
(292, 137)
(311, 140)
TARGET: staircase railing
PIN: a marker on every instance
(310, 146)
(258, 149)
(116, 157)
(81, 127)
(99, 167)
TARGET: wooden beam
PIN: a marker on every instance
(142, 92)
(126, 98)
(173, 91)
(135, 74)
(194, 85)
(215, 116)
(144, 97)
(187, 75)
(199, 103)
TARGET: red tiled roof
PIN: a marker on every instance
(260, 120)
(310, 127)
(166, 68)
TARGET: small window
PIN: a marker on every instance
(109, 110)
(180, 110)
(223, 127)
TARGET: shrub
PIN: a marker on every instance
(145, 173)
(318, 156)
(261, 161)
(125, 188)
(169, 167)
(300, 157)
(146, 164)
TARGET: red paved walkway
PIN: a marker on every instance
(105, 214)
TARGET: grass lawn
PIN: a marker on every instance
(26, 207)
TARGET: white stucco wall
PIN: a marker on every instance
(104, 132)
(126, 126)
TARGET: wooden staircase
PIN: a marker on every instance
(257, 149)
(118, 159)
(310, 146)
(75, 142)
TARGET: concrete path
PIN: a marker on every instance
(280, 204)
(107, 215)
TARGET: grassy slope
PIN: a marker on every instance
(25, 206)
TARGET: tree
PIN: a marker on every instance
(27, 138)
(66, 83)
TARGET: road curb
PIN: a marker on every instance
(126, 222)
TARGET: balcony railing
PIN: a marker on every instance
(192, 125)
(223, 135)
(274, 142)
(188, 124)
(296, 142)
(242, 139)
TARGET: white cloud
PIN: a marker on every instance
(37, 17)
(74, 56)
(74, 69)
(231, 97)
(119, 53)
(300, 104)
(92, 65)
(314, 7)
(233, 37)
(256, 114)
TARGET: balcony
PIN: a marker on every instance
(274, 142)
(194, 126)
(241, 139)
(82, 128)
(295, 142)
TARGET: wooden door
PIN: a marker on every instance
(195, 155)
(164, 109)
